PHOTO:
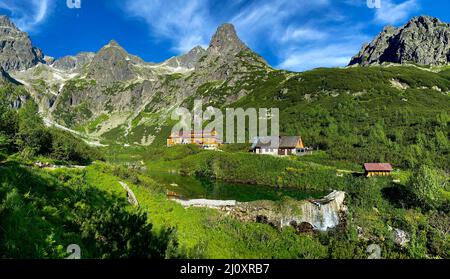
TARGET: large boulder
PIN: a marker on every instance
(400, 237)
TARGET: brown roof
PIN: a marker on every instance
(378, 167)
(270, 142)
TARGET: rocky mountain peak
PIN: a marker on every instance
(388, 29)
(197, 50)
(6, 22)
(227, 55)
(113, 63)
(113, 43)
(425, 21)
(16, 49)
(73, 62)
(226, 40)
(423, 40)
(188, 60)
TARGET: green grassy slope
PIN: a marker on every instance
(361, 114)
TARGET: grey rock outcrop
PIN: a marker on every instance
(188, 60)
(225, 48)
(5, 77)
(81, 88)
(16, 49)
(227, 54)
(16, 99)
(73, 63)
(423, 40)
(400, 237)
(112, 63)
(49, 60)
(226, 41)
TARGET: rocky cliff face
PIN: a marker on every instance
(16, 96)
(226, 42)
(113, 82)
(227, 54)
(423, 40)
(5, 77)
(73, 63)
(16, 50)
(135, 96)
(112, 63)
(188, 60)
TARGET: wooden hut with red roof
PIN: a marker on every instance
(378, 169)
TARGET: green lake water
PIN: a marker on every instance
(200, 188)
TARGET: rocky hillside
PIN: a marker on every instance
(6, 78)
(423, 40)
(114, 94)
(73, 63)
(11, 91)
(16, 50)
(188, 60)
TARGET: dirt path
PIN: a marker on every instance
(45, 166)
(206, 203)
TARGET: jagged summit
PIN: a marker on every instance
(426, 21)
(226, 50)
(6, 22)
(226, 40)
(16, 49)
(113, 63)
(114, 47)
(113, 43)
(188, 60)
(73, 62)
(423, 40)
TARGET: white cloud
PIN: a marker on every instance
(28, 14)
(303, 34)
(332, 55)
(190, 23)
(270, 18)
(391, 13)
(185, 23)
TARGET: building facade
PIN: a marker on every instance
(287, 146)
(377, 169)
(205, 139)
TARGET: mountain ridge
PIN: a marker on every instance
(423, 40)
(118, 97)
(112, 82)
(16, 49)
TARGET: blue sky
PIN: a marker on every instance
(290, 34)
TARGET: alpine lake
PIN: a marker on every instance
(189, 187)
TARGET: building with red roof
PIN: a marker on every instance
(378, 169)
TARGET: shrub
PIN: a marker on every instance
(67, 148)
(426, 185)
(119, 234)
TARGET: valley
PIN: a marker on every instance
(110, 112)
